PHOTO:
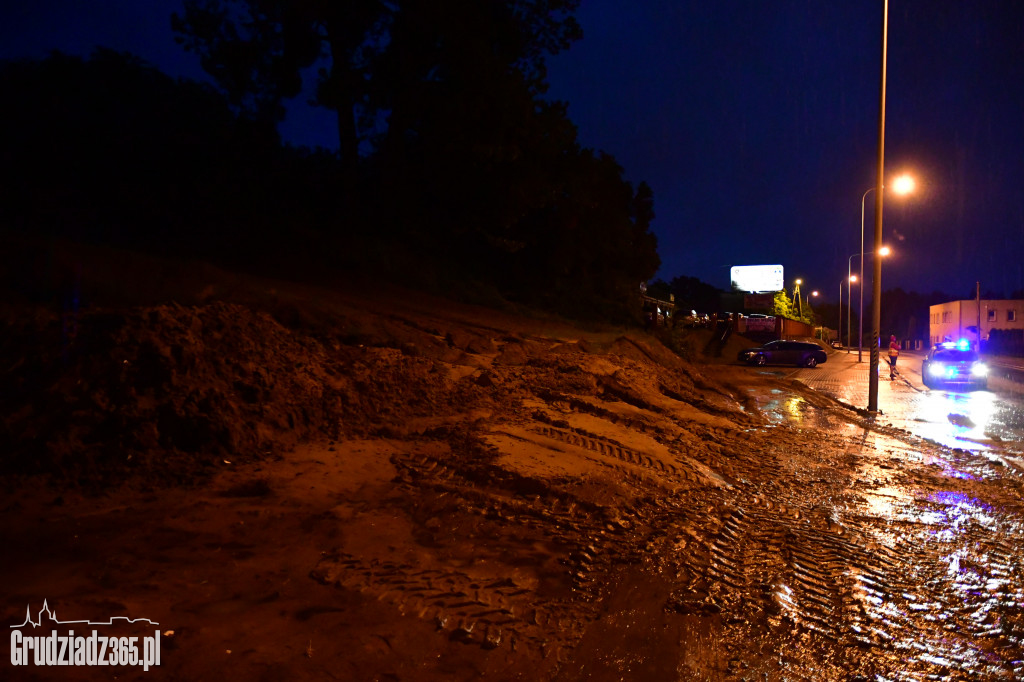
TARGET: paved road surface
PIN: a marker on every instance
(971, 420)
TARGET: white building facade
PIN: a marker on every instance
(960, 320)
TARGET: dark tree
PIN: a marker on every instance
(693, 294)
(467, 175)
(400, 57)
(111, 150)
(257, 50)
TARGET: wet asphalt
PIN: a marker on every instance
(975, 420)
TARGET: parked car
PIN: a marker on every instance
(954, 364)
(784, 352)
(837, 345)
(695, 320)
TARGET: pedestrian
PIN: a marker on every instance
(894, 352)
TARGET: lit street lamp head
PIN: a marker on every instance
(904, 184)
(884, 251)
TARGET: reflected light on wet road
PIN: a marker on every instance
(958, 601)
(957, 420)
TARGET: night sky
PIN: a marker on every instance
(755, 122)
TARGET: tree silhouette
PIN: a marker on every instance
(257, 50)
(467, 177)
(693, 294)
(375, 57)
(111, 150)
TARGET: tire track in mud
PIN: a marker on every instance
(929, 587)
(950, 601)
(471, 609)
(495, 604)
(869, 606)
(763, 560)
(684, 469)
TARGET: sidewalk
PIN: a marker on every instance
(845, 379)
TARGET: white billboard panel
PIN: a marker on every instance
(754, 278)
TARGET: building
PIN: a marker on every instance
(959, 320)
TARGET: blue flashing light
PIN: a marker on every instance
(964, 344)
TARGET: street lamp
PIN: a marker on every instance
(903, 184)
(850, 279)
(884, 251)
(876, 280)
(900, 185)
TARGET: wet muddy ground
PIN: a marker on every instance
(524, 500)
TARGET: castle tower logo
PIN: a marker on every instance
(52, 617)
(93, 649)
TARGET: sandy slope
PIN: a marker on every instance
(365, 484)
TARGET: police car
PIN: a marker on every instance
(954, 364)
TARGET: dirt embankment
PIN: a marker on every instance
(382, 485)
(163, 385)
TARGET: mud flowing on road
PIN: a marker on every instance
(629, 527)
(910, 570)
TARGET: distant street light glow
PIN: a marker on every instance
(884, 251)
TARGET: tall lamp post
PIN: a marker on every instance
(849, 309)
(850, 279)
(860, 319)
(884, 251)
(841, 311)
(876, 303)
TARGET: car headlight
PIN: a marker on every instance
(936, 369)
(979, 369)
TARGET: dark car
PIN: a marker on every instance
(783, 352)
(954, 364)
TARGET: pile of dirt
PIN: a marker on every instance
(165, 393)
(165, 380)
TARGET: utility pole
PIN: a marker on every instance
(977, 288)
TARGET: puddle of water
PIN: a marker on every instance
(773, 404)
(965, 580)
(956, 420)
(976, 421)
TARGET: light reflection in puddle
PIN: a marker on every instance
(969, 421)
(965, 581)
(774, 404)
(957, 420)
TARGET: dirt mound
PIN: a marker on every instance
(167, 392)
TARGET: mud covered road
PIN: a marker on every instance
(485, 495)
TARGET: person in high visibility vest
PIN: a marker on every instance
(894, 352)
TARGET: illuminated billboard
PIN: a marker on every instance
(753, 278)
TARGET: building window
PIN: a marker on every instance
(945, 316)
(1011, 315)
(991, 315)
